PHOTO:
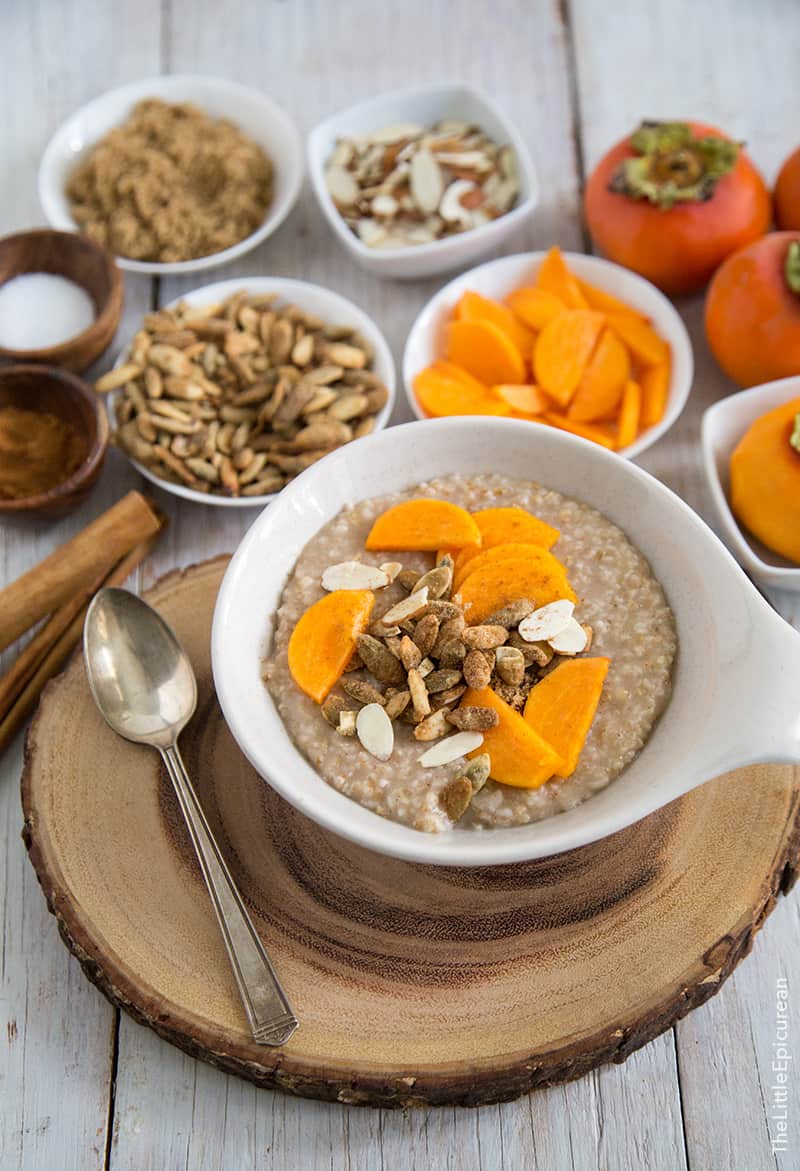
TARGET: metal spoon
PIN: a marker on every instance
(144, 685)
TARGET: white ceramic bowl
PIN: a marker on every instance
(424, 105)
(256, 114)
(324, 303)
(724, 424)
(497, 278)
(736, 695)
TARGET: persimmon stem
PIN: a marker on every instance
(673, 165)
(791, 266)
(794, 439)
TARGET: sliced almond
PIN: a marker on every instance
(427, 181)
(571, 640)
(374, 730)
(395, 133)
(451, 208)
(548, 621)
(410, 607)
(341, 185)
(354, 575)
(450, 749)
(347, 722)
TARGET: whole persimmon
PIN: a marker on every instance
(786, 196)
(753, 310)
(672, 200)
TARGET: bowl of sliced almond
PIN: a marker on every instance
(421, 181)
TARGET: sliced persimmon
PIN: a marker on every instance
(324, 639)
(640, 338)
(654, 381)
(603, 380)
(496, 585)
(591, 431)
(505, 526)
(484, 351)
(443, 389)
(423, 524)
(474, 307)
(515, 551)
(555, 277)
(563, 350)
(525, 399)
(535, 307)
(561, 707)
(629, 414)
(519, 755)
(607, 302)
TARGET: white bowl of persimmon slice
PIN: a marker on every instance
(571, 341)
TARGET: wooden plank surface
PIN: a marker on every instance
(727, 60)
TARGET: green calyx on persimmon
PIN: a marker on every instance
(791, 266)
(673, 165)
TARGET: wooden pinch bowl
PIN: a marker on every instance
(80, 260)
(57, 392)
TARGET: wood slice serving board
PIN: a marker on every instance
(413, 984)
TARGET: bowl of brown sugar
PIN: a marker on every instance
(53, 440)
(173, 174)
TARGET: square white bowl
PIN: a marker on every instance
(423, 105)
(724, 424)
(497, 278)
(253, 112)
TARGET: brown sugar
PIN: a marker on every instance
(171, 184)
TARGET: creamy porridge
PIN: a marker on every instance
(620, 604)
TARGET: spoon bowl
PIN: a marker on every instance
(139, 674)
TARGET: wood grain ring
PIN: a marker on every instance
(413, 984)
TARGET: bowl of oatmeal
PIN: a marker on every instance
(666, 625)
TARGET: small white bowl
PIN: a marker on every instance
(724, 424)
(736, 676)
(324, 303)
(497, 278)
(253, 112)
(424, 105)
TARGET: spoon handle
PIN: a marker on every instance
(271, 1019)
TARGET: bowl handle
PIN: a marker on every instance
(756, 718)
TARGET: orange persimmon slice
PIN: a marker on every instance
(563, 350)
(495, 586)
(585, 430)
(603, 381)
(526, 399)
(554, 276)
(607, 302)
(515, 552)
(535, 307)
(484, 351)
(629, 414)
(325, 637)
(505, 526)
(443, 389)
(423, 524)
(473, 307)
(654, 381)
(519, 755)
(561, 707)
(640, 338)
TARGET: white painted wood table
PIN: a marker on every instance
(81, 1086)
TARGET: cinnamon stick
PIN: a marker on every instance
(58, 651)
(72, 568)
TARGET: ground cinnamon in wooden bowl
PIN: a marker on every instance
(53, 439)
(38, 451)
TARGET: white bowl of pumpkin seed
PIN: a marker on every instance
(228, 393)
